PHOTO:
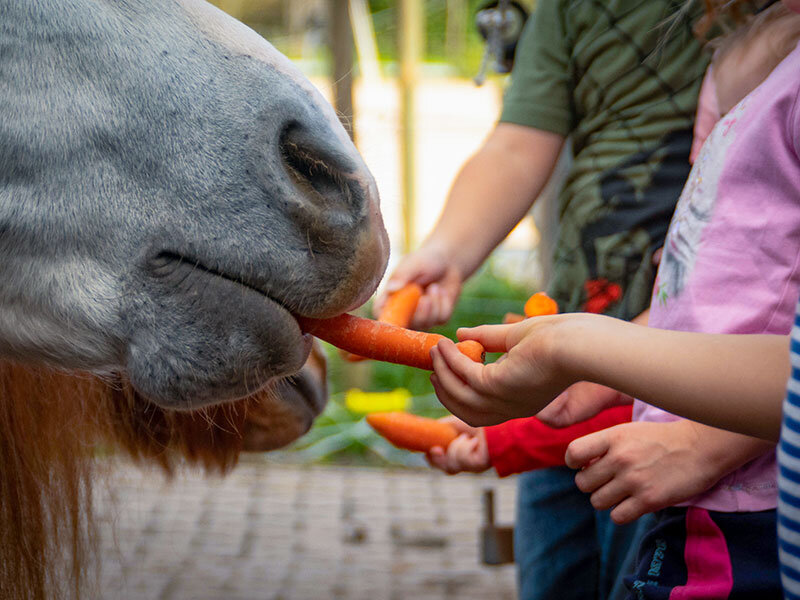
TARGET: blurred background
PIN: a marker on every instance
(402, 77)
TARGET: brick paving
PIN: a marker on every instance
(287, 532)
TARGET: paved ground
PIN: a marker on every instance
(284, 532)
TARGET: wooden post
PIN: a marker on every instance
(342, 54)
(411, 41)
(366, 43)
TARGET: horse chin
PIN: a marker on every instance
(212, 340)
(278, 419)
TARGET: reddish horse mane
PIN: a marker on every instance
(52, 425)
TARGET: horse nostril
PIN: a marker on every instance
(320, 170)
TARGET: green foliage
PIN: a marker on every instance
(385, 16)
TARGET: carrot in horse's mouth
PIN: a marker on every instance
(383, 341)
(398, 310)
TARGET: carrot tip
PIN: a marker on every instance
(540, 304)
(473, 350)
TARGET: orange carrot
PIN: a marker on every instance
(472, 349)
(383, 341)
(398, 310)
(411, 432)
(510, 318)
(540, 304)
(400, 305)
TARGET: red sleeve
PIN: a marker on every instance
(528, 444)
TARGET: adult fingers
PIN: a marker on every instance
(584, 449)
(423, 315)
(451, 287)
(401, 277)
(441, 305)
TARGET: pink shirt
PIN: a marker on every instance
(731, 261)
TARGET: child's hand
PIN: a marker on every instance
(523, 381)
(580, 401)
(468, 452)
(440, 279)
(639, 468)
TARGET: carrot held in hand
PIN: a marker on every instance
(539, 305)
(382, 341)
(398, 310)
(411, 432)
(400, 305)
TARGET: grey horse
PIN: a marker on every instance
(172, 192)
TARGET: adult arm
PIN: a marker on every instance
(492, 192)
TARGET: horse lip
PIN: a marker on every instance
(166, 261)
(313, 400)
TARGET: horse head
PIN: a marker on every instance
(172, 192)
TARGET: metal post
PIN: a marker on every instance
(411, 41)
(342, 50)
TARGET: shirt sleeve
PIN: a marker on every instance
(528, 444)
(707, 113)
(540, 94)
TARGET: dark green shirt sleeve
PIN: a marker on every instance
(540, 94)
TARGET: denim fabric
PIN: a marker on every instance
(564, 548)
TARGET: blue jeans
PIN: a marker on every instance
(563, 547)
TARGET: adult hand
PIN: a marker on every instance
(440, 279)
(468, 452)
(638, 468)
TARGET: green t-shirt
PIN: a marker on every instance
(614, 77)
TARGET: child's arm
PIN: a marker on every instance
(519, 445)
(492, 192)
(734, 382)
(639, 468)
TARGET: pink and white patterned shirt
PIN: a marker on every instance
(731, 261)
